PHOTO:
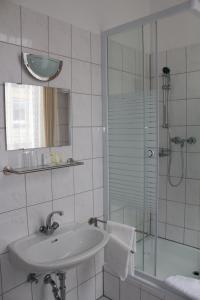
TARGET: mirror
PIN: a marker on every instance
(36, 116)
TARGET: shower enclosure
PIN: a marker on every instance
(151, 90)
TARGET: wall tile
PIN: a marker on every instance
(174, 233)
(176, 193)
(98, 202)
(111, 286)
(80, 44)
(97, 142)
(178, 87)
(12, 192)
(96, 48)
(99, 285)
(192, 217)
(115, 82)
(146, 296)
(22, 292)
(81, 77)
(193, 59)
(72, 295)
(62, 182)
(193, 191)
(162, 206)
(176, 60)
(34, 30)
(67, 206)
(193, 107)
(71, 279)
(192, 238)
(37, 215)
(193, 165)
(83, 177)
(193, 90)
(86, 270)
(12, 70)
(59, 37)
(82, 143)
(114, 55)
(97, 172)
(86, 291)
(81, 106)
(10, 23)
(96, 80)
(129, 58)
(96, 111)
(13, 226)
(163, 187)
(175, 213)
(128, 291)
(83, 206)
(38, 187)
(11, 275)
(178, 131)
(193, 131)
(177, 113)
(99, 261)
(176, 166)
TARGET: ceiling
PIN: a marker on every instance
(97, 15)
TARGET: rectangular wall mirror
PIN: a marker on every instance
(36, 116)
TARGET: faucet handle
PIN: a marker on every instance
(55, 225)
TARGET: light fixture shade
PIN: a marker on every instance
(41, 67)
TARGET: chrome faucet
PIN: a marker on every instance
(50, 227)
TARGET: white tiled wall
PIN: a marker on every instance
(179, 207)
(135, 289)
(26, 200)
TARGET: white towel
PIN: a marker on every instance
(118, 254)
(188, 286)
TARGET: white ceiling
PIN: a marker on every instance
(97, 15)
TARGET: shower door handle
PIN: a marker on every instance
(150, 153)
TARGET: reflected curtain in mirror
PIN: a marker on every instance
(36, 116)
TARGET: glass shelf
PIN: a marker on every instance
(19, 171)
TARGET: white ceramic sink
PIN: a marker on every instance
(62, 250)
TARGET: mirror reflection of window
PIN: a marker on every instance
(35, 116)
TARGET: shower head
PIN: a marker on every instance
(166, 70)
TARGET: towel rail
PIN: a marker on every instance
(94, 220)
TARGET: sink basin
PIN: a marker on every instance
(62, 250)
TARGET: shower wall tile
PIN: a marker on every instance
(177, 113)
(175, 213)
(193, 131)
(193, 165)
(25, 201)
(178, 193)
(192, 217)
(193, 90)
(174, 233)
(193, 116)
(193, 59)
(115, 82)
(176, 165)
(129, 60)
(114, 55)
(82, 143)
(176, 60)
(193, 191)
(178, 87)
(192, 238)
(162, 208)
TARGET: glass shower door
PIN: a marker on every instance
(133, 137)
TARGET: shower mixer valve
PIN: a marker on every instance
(180, 141)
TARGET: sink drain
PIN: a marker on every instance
(196, 273)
